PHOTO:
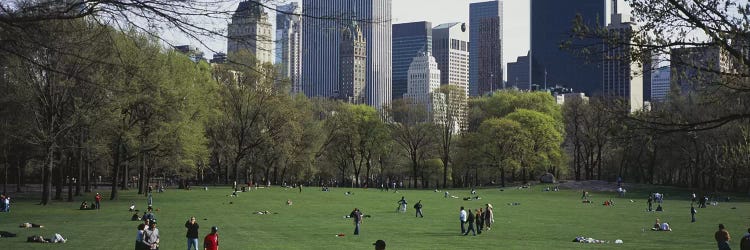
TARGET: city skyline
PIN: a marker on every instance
(516, 25)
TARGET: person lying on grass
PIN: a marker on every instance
(27, 225)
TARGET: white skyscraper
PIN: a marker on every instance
(450, 44)
(288, 44)
(250, 30)
(321, 43)
(423, 84)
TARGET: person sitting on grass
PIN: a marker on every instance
(132, 207)
(84, 205)
(659, 208)
(135, 217)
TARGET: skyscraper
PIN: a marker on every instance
(518, 73)
(660, 84)
(485, 47)
(623, 77)
(450, 43)
(320, 46)
(288, 44)
(409, 39)
(352, 65)
(552, 24)
(250, 30)
(423, 86)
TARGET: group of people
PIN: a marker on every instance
(481, 218)
(661, 226)
(147, 237)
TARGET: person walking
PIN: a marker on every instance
(192, 233)
(470, 219)
(151, 236)
(489, 216)
(462, 216)
(211, 241)
(357, 216)
(402, 205)
(418, 207)
(692, 213)
(722, 238)
(98, 200)
(650, 202)
(479, 218)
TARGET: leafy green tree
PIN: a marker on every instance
(504, 143)
(546, 140)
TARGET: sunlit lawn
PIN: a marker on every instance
(543, 220)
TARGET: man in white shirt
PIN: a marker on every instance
(462, 216)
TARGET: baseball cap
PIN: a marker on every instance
(214, 229)
(379, 243)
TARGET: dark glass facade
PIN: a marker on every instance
(409, 39)
(551, 24)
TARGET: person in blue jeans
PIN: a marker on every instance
(192, 233)
(357, 216)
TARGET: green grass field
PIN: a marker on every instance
(543, 220)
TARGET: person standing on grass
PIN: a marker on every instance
(692, 213)
(418, 207)
(489, 216)
(151, 236)
(211, 241)
(470, 219)
(650, 202)
(98, 200)
(402, 205)
(357, 216)
(192, 233)
(462, 216)
(479, 217)
(139, 243)
(745, 241)
(722, 238)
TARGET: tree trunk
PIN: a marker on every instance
(47, 175)
(117, 157)
(87, 178)
(124, 184)
(79, 164)
(59, 180)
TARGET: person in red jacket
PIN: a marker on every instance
(211, 242)
(98, 199)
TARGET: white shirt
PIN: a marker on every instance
(463, 215)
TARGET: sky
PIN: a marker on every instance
(516, 18)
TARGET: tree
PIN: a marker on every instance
(546, 140)
(504, 143)
(411, 131)
(451, 123)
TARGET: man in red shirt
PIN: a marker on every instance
(211, 242)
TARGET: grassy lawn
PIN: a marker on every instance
(543, 220)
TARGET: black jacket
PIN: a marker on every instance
(192, 230)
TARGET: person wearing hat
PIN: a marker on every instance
(379, 245)
(151, 236)
(211, 241)
(98, 199)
